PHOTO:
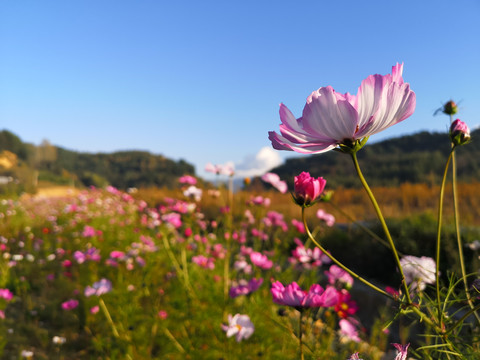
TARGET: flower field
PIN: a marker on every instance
(202, 272)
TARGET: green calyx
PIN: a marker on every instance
(350, 146)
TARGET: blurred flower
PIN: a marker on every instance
(240, 326)
(260, 260)
(337, 276)
(206, 263)
(70, 304)
(299, 226)
(418, 271)
(59, 340)
(162, 314)
(450, 108)
(275, 181)
(459, 133)
(6, 294)
(27, 354)
(354, 357)
(307, 189)
(187, 179)
(348, 329)
(402, 351)
(193, 192)
(293, 295)
(474, 245)
(94, 309)
(244, 288)
(307, 257)
(328, 218)
(331, 119)
(98, 288)
(345, 305)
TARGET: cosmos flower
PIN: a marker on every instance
(418, 271)
(293, 295)
(240, 326)
(331, 119)
(275, 181)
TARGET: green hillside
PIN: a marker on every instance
(418, 158)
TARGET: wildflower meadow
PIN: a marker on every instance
(203, 272)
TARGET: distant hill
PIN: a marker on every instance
(54, 164)
(418, 158)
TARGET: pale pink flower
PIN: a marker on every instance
(307, 189)
(354, 357)
(337, 276)
(98, 288)
(240, 326)
(206, 263)
(260, 260)
(275, 181)
(245, 288)
(328, 218)
(348, 329)
(94, 309)
(418, 271)
(330, 118)
(402, 351)
(89, 231)
(299, 226)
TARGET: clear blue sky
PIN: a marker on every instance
(202, 80)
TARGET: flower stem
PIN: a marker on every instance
(300, 333)
(109, 318)
(457, 231)
(384, 225)
(439, 231)
(355, 275)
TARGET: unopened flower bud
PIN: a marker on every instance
(450, 108)
(459, 133)
(307, 189)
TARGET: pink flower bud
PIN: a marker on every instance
(459, 133)
(307, 189)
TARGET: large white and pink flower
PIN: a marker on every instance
(330, 119)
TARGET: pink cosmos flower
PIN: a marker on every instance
(299, 226)
(330, 118)
(187, 179)
(162, 314)
(94, 309)
(206, 263)
(293, 295)
(307, 189)
(70, 304)
(240, 326)
(308, 258)
(328, 218)
(402, 351)
(6, 294)
(354, 357)
(260, 260)
(275, 181)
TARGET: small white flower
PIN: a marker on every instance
(59, 340)
(239, 325)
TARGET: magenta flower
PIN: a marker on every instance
(459, 132)
(240, 326)
(6, 294)
(330, 119)
(187, 179)
(70, 304)
(293, 295)
(307, 189)
(245, 288)
(275, 181)
(260, 260)
(402, 351)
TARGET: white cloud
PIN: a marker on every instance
(256, 165)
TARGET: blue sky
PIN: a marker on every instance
(202, 80)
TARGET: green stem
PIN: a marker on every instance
(457, 230)
(300, 333)
(384, 226)
(353, 274)
(460, 321)
(439, 231)
(109, 318)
